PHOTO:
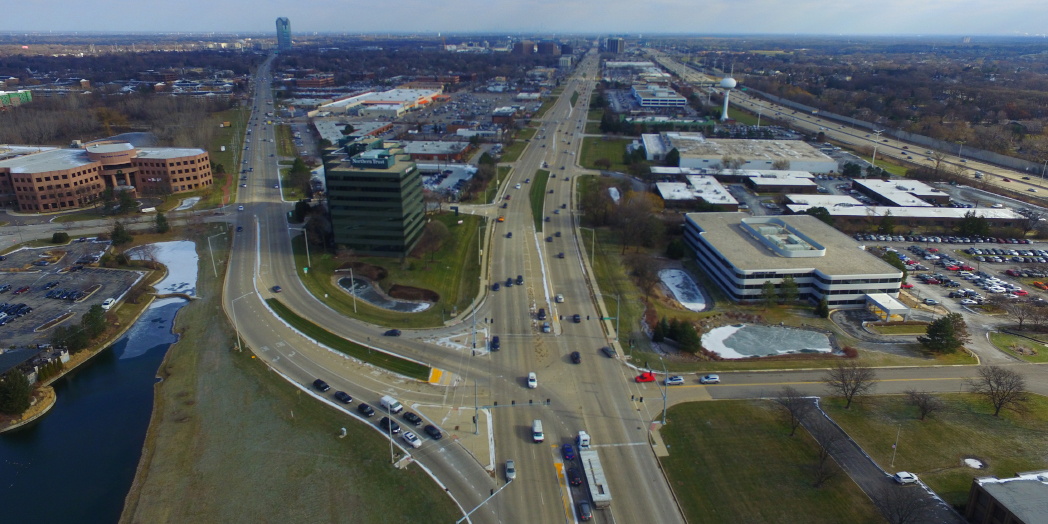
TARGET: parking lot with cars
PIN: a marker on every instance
(41, 284)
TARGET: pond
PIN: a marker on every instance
(366, 292)
(684, 289)
(755, 340)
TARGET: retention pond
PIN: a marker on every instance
(755, 340)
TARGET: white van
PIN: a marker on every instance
(536, 431)
(390, 404)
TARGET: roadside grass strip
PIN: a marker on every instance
(538, 196)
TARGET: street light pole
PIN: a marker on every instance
(213, 266)
(353, 288)
(305, 238)
(236, 327)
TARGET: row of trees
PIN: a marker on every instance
(680, 331)
(78, 337)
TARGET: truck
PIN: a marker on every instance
(598, 485)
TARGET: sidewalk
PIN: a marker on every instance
(458, 423)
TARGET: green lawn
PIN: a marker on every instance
(513, 152)
(527, 133)
(891, 167)
(595, 115)
(455, 276)
(935, 448)
(901, 330)
(744, 117)
(331, 340)
(574, 98)
(546, 106)
(290, 192)
(538, 196)
(734, 461)
(1004, 342)
(485, 196)
(285, 143)
(229, 158)
(594, 148)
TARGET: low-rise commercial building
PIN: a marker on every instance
(440, 151)
(375, 201)
(929, 218)
(740, 253)
(1022, 499)
(9, 99)
(697, 151)
(57, 179)
(650, 96)
(698, 188)
(901, 193)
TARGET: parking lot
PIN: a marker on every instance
(28, 276)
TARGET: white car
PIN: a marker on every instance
(533, 380)
(560, 299)
(518, 186)
(240, 208)
(675, 380)
(709, 379)
(904, 477)
(411, 439)
(108, 303)
(969, 302)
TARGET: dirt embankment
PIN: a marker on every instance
(413, 293)
(370, 271)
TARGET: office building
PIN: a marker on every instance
(526, 47)
(902, 193)
(908, 218)
(548, 47)
(436, 151)
(375, 201)
(740, 253)
(58, 179)
(1022, 499)
(283, 34)
(616, 45)
(699, 152)
(651, 96)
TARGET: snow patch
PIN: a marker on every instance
(754, 340)
(974, 463)
(684, 289)
(187, 203)
(180, 258)
(614, 192)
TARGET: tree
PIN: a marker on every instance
(60, 238)
(781, 165)
(901, 505)
(850, 379)
(94, 321)
(15, 392)
(828, 439)
(348, 130)
(120, 235)
(1003, 388)
(820, 213)
(646, 271)
(1030, 221)
(887, 225)
(1019, 311)
(821, 137)
(941, 336)
(851, 170)
(486, 159)
(796, 405)
(788, 289)
(676, 249)
(160, 223)
(823, 308)
(127, 202)
(300, 176)
(925, 402)
(892, 258)
(108, 199)
(768, 294)
(673, 158)
(324, 144)
(973, 225)
(602, 163)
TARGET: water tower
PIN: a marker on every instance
(727, 84)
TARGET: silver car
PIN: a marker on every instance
(511, 470)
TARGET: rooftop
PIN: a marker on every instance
(434, 148)
(912, 212)
(827, 201)
(1025, 495)
(330, 129)
(697, 145)
(705, 187)
(44, 161)
(164, 153)
(727, 234)
(903, 193)
(781, 181)
(109, 147)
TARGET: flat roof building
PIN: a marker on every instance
(697, 188)
(901, 193)
(856, 217)
(1022, 499)
(654, 96)
(699, 152)
(283, 34)
(445, 151)
(375, 201)
(740, 253)
(616, 45)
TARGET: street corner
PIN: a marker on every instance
(458, 423)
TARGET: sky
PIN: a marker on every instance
(823, 17)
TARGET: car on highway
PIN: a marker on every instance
(549, 239)
(647, 376)
(509, 282)
(533, 380)
(240, 208)
(520, 280)
(495, 344)
(343, 397)
(560, 255)
(389, 425)
(366, 410)
(905, 477)
(507, 197)
(675, 380)
(709, 379)
(509, 234)
(392, 333)
(573, 477)
(433, 432)
(321, 385)
(276, 289)
(576, 318)
(411, 439)
(495, 286)
(511, 470)
(609, 351)
(240, 228)
(568, 451)
(585, 513)
(576, 357)
(517, 186)
(412, 418)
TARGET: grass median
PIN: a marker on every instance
(915, 329)
(527, 133)
(285, 143)
(734, 461)
(935, 448)
(538, 196)
(1022, 347)
(574, 98)
(383, 360)
(594, 148)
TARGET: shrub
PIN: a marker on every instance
(850, 352)
(60, 238)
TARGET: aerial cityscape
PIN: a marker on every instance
(661, 267)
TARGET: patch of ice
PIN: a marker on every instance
(973, 463)
(614, 192)
(684, 289)
(180, 258)
(713, 340)
(187, 203)
(753, 340)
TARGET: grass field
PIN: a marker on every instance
(485, 196)
(900, 330)
(538, 196)
(593, 128)
(231, 157)
(546, 106)
(935, 447)
(574, 98)
(289, 192)
(226, 429)
(512, 153)
(455, 275)
(594, 148)
(285, 143)
(733, 461)
(886, 165)
(743, 117)
(595, 115)
(1004, 342)
(527, 133)
(329, 339)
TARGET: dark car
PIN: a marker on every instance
(276, 289)
(585, 513)
(495, 286)
(240, 228)
(509, 234)
(520, 280)
(495, 345)
(343, 397)
(568, 452)
(412, 418)
(576, 318)
(2, 258)
(433, 432)
(557, 234)
(560, 255)
(576, 357)
(549, 239)
(366, 410)
(389, 425)
(573, 477)
(392, 333)
(321, 385)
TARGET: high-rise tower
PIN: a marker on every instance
(283, 33)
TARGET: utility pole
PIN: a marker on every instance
(305, 237)
(895, 447)
(353, 288)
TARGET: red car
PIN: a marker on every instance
(1012, 273)
(507, 197)
(1006, 180)
(647, 376)
(907, 286)
(967, 268)
(1020, 293)
(953, 268)
(21, 290)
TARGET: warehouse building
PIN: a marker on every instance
(59, 179)
(697, 151)
(9, 99)
(901, 193)
(698, 188)
(439, 151)
(740, 253)
(375, 201)
(929, 218)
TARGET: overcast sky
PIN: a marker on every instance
(832, 17)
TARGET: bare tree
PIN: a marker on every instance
(925, 402)
(900, 505)
(1019, 311)
(1002, 387)
(781, 165)
(1030, 222)
(938, 157)
(646, 270)
(849, 379)
(827, 439)
(796, 405)
(148, 252)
